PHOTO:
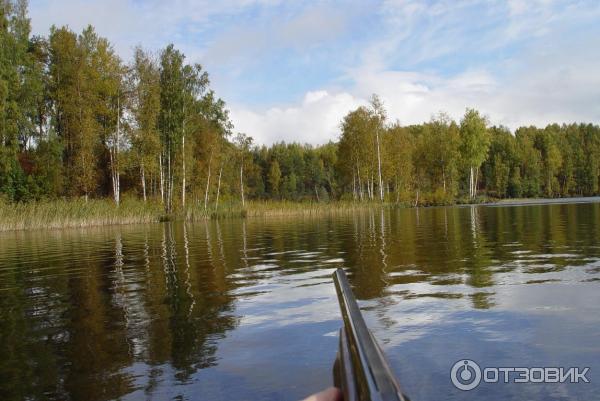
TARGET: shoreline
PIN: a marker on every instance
(62, 214)
(543, 201)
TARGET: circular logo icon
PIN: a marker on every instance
(465, 375)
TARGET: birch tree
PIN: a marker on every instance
(243, 143)
(378, 116)
(195, 82)
(474, 145)
(144, 83)
(110, 99)
(400, 146)
(171, 117)
(358, 151)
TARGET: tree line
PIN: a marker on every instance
(441, 161)
(445, 160)
(77, 121)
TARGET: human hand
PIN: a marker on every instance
(331, 394)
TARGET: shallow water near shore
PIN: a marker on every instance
(245, 309)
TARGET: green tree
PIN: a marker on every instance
(144, 86)
(378, 118)
(474, 145)
(530, 162)
(515, 185)
(171, 118)
(547, 143)
(441, 140)
(14, 37)
(400, 149)
(79, 103)
(501, 161)
(328, 155)
(358, 151)
(182, 91)
(48, 168)
(213, 129)
(107, 86)
(243, 143)
(274, 177)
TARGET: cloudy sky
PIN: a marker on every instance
(291, 70)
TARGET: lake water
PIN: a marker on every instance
(246, 309)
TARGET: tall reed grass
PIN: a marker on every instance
(272, 208)
(75, 213)
(53, 214)
(286, 208)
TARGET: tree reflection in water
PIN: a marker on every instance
(167, 310)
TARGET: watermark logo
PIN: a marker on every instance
(467, 375)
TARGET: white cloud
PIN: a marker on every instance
(519, 62)
(315, 120)
(546, 87)
(127, 23)
(549, 73)
(311, 26)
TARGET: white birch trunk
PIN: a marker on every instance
(444, 179)
(143, 178)
(379, 167)
(360, 188)
(162, 180)
(207, 181)
(169, 182)
(476, 182)
(117, 174)
(372, 186)
(471, 183)
(118, 188)
(114, 155)
(183, 171)
(183, 158)
(242, 182)
(218, 188)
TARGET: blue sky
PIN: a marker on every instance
(291, 70)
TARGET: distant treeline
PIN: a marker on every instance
(76, 121)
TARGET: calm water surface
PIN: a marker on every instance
(246, 309)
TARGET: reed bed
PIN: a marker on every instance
(75, 213)
(288, 208)
(53, 214)
(278, 208)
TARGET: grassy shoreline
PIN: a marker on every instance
(74, 214)
(56, 214)
(78, 213)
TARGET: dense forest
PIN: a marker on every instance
(76, 121)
